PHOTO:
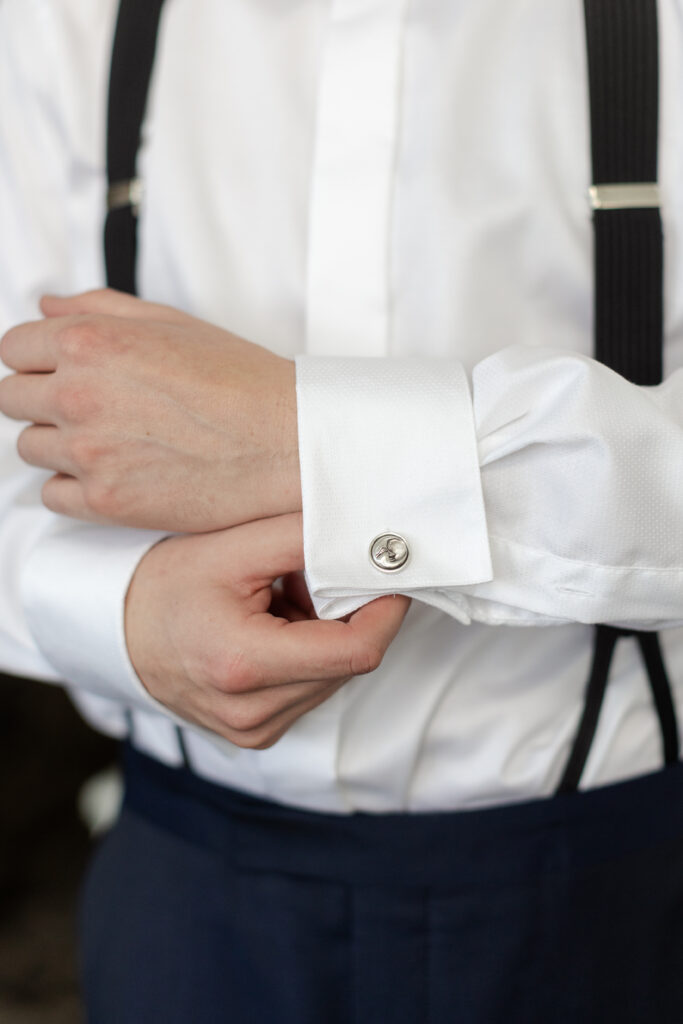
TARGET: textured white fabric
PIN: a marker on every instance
(582, 474)
(407, 181)
(103, 561)
(366, 470)
(351, 184)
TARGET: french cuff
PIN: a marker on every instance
(391, 489)
(74, 586)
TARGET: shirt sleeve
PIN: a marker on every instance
(62, 584)
(550, 493)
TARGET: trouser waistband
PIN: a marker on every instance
(501, 845)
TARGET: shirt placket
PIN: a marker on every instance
(349, 264)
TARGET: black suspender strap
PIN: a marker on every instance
(606, 638)
(603, 649)
(623, 72)
(651, 651)
(132, 61)
(135, 40)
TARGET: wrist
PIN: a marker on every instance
(286, 475)
(140, 613)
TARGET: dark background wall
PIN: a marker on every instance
(46, 753)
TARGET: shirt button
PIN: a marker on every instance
(389, 552)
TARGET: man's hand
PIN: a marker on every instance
(212, 641)
(150, 417)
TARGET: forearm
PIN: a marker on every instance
(553, 494)
(151, 418)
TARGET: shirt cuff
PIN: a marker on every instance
(74, 586)
(388, 447)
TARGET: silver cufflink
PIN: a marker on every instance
(389, 552)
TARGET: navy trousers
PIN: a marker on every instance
(205, 906)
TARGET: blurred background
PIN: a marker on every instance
(47, 753)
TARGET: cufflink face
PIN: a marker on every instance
(389, 552)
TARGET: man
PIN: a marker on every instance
(348, 181)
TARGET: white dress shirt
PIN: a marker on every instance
(397, 194)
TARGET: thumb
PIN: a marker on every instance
(108, 302)
(317, 649)
(264, 549)
(381, 618)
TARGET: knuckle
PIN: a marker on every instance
(83, 451)
(101, 294)
(9, 341)
(241, 676)
(78, 339)
(258, 739)
(75, 401)
(227, 671)
(8, 397)
(6, 388)
(245, 718)
(266, 742)
(366, 658)
(50, 496)
(211, 669)
(65, 400)
(101, 496)
(24, 443)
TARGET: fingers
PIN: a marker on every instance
(296, 591)
(44, 446)
(381, 618)
(280, 607)
(315, 649)
(268, 735)
(31, 347)
(309, 649)
(262, 714)
(269, 548)
(64, 494)
(107, 302)
(247, 711)
(246, 724)
(35, 346)
(28, 396)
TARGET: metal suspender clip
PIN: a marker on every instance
(125, 193)
(635, 196)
